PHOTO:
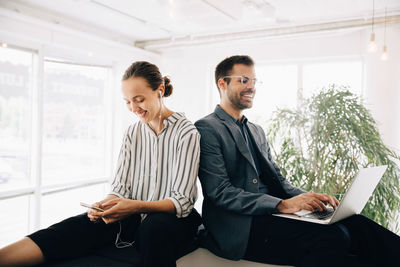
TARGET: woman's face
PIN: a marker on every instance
(141, 99)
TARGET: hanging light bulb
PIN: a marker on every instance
(384, 55)
(372, 47)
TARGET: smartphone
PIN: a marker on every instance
(91, 207)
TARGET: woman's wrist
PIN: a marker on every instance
(164, 205)
(138, 206)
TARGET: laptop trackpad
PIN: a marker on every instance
(302, 213)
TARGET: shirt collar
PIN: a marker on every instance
(240, 122)
(168, 121)
(173, 118)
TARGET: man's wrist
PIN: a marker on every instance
(281, 205)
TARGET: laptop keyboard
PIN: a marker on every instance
(321, 215)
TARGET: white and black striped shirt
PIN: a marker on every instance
(152, 167)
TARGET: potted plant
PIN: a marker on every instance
(323, 143)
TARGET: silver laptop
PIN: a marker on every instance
(361, 188)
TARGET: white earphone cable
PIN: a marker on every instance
(118, 242)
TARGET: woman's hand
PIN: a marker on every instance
(92, 213)
(118, 209)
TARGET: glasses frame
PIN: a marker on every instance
(244, 79)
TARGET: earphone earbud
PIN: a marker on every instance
(160, 93)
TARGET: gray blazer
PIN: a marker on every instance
(230, 183)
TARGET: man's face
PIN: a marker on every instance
(240, 91)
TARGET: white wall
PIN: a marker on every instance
(191, 69)
(383, 88)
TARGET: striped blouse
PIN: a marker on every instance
(152, 167)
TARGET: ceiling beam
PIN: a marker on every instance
(155, 45)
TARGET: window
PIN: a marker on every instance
(278, 90)
(54, 140)
(16, 81)
(318, 75)
(14, 219)
(54, 208)
(281, 83)
(74, 115)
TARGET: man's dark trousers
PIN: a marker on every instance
(355, 241)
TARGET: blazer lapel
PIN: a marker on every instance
(240, 142)
(236, 134)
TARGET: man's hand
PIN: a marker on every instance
(307, 201)
(118, 209)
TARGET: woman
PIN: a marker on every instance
(153, 192)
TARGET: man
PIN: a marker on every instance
(243, 187)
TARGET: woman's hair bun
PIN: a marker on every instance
(151, 74)
(168, 87)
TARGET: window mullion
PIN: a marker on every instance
(36, 148)
(109, 121)
(299, 83)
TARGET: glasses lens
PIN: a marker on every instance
(244, 80)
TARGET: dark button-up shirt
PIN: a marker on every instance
(242, 123)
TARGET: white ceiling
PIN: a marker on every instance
(144, 20)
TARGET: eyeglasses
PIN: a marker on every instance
(245, 80)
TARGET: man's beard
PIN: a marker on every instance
(235, 100)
